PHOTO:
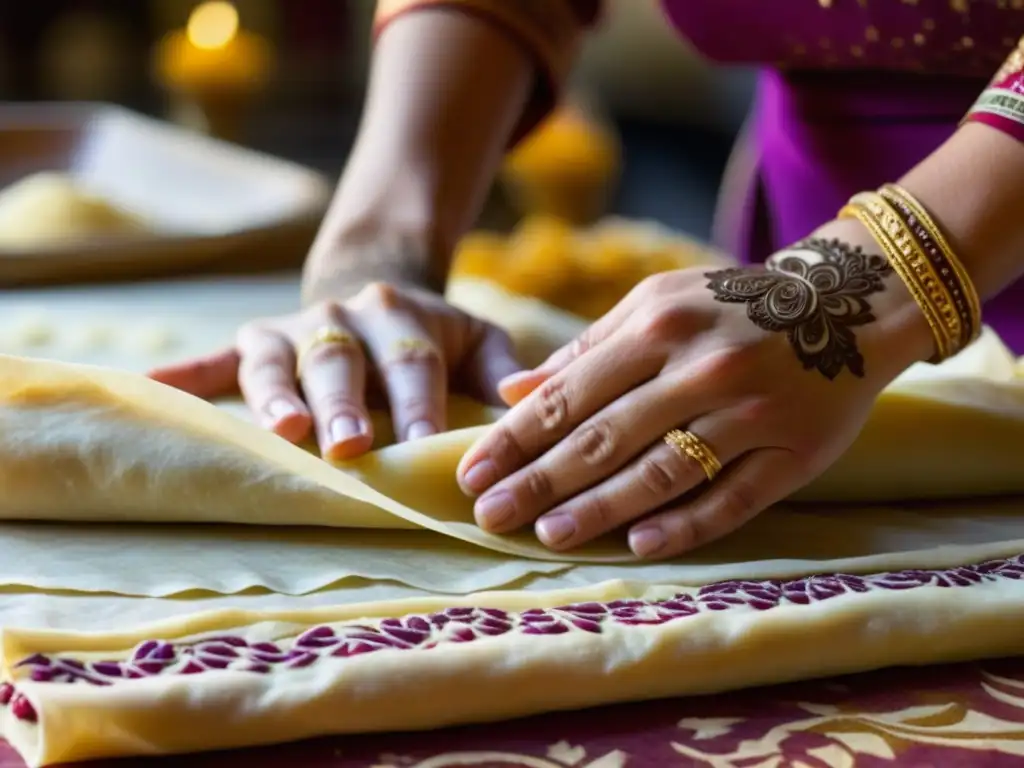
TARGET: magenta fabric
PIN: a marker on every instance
(851, 97)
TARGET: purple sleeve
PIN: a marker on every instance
(956, 37)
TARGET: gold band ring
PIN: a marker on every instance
(692, 447)
(325, 335)
(410, 350)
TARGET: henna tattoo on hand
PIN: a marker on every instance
(816, 300)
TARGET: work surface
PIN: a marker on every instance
(943, 581)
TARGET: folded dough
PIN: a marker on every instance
(233, 679)
(79, 443)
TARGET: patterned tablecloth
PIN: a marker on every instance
(958, 715)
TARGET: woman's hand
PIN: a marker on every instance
(774, 370)
(319, 368)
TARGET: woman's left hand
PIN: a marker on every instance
(774, 370)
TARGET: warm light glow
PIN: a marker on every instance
(212, 25)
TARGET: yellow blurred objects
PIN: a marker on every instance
(48, 209)
(584, 271)
(566, 168)
(481, 254)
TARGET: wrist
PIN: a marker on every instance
(345, 259)
(900, 335)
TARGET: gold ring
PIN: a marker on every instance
(692, 447)
(408, 350)
(324, 335)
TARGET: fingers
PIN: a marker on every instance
(207, 377)
(755, 482)
(554, 410)
(334, 383)
(411, 366)
(595, 451)
(266, 376)
(517, 386)
(662, 474)
(493, 361)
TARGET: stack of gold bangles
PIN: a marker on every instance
(923, 259)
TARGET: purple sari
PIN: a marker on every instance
(854, 94)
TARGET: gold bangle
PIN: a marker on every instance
(951, 270)
(916, 259)
(855, 210)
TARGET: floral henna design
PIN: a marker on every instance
(422, 632)
(816, 300)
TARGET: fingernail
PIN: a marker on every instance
(344, 428)
(494, 509)
(480, 476)
(516, 378)
(279, 409)
(555, 529)
(647, 541)
(420, 429)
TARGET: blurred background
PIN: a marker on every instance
(144, 139)
(675, 116)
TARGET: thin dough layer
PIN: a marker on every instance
(79, 443)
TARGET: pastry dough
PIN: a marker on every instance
(231, 679)
(48, 208)
(129, 449)
(80, 443)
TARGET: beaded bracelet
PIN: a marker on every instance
(1001, 105)
(944, 260)
(909, 263)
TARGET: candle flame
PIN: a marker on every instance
(212, 25)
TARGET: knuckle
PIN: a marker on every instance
(651, 285)
(327, 313)
(505, 449)
(538, 486)
(580, 346)
(338, 404)
(662, 323)
(687, 532)
(248, 334)
(414, 407)
(595, 514)
(269, 366)
(378, 295)
(755, 412)
(737, 501)
(595, 443)
(733, 363)
(659, 474)
(552, 404)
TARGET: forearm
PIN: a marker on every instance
(974, 188)
(966, 243)
(446, 91)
